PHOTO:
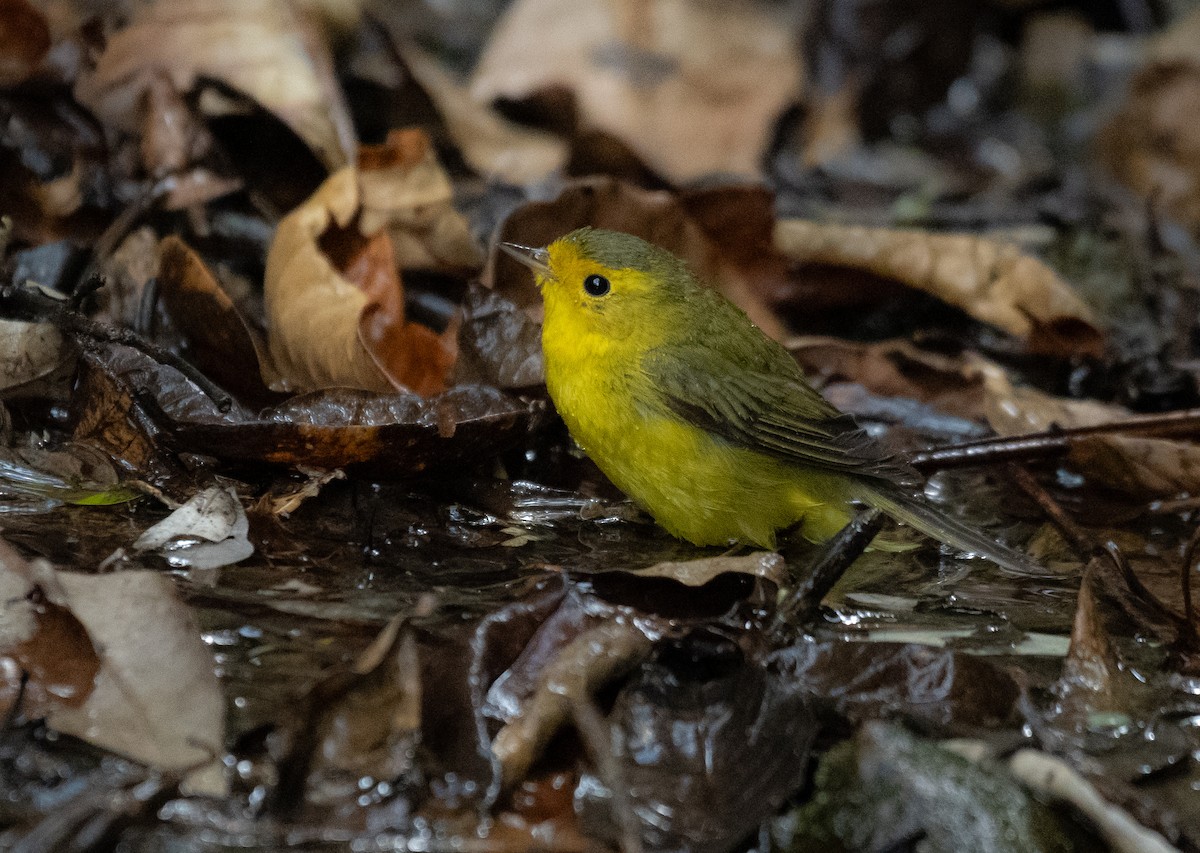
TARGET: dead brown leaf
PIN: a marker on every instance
(268, 50)
(141, 411)
(693, 87)
(24, 40)
(334, 303)
(1152, 143)
(219, 342)
(993, 281)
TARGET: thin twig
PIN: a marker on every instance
(1188, 638)
(23, 303)
(1184, 423)
(1071, 531)
(836, 556)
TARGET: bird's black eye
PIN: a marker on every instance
(596, 285)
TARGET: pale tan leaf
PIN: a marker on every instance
(693, 87)
(493, 146)
(266, 49)
(993, 281)
(762, 564)
(157, 698)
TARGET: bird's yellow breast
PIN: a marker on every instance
(695, 484)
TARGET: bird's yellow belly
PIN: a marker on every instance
(703, 489)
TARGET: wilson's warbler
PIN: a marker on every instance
(701, 418)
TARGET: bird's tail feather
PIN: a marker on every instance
(933, 522)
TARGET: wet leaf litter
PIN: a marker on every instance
(298, 554)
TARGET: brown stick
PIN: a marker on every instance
(1184, 423)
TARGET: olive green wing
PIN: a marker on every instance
(766, 407)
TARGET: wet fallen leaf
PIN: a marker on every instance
(499, 343)
(886, 787)
(386, 435)
(694, 88)
(333, 298)
(706, 747)
(266, 49)
(993, 281)
(863, 681)
(156, 697)
(74, 473)
(764, 564)
(207, 532)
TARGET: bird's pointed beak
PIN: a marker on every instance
(537, 260)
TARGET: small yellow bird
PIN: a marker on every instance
(701, 418)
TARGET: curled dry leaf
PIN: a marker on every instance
(713, 230)
(24, 40)
(693, 87)
(333, 296)
(268, 50)
(156, 697)
(1152, 144)
(1144, 467)
(993, 281)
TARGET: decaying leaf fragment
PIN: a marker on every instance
(155, 695)
(992, 281)
(334, 302)
(208, 531)
(693, 87)
(266, 49)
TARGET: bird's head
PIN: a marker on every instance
(604, 281)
